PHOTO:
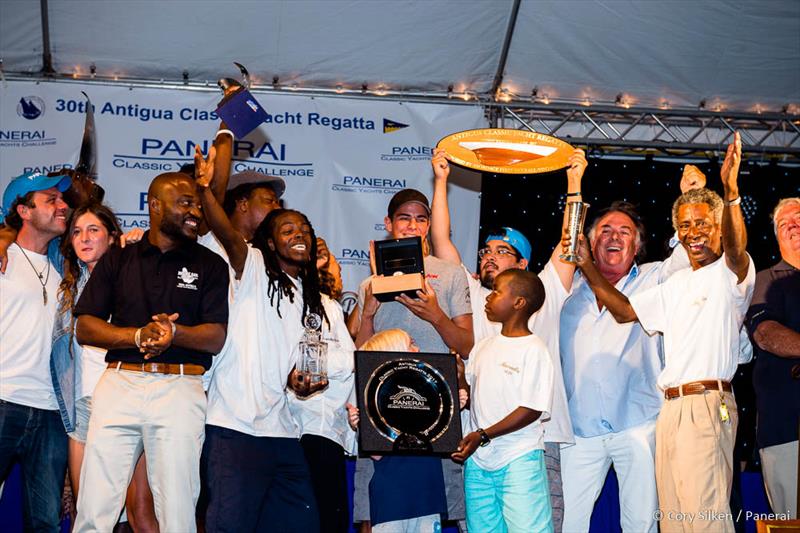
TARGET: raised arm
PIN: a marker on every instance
(219, 223)
(575, 170)
(734, 232)
(443, 246)
(223, 143)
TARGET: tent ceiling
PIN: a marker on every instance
(736, 53)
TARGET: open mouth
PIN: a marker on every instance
(191, 222)
(300, 247)
(696, 247)
(614, 249)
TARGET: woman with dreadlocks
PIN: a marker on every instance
(256, 472)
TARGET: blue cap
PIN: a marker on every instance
(30, 182)
(516, 239)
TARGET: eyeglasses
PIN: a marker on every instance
(500, 252)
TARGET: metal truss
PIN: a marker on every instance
(613, 129)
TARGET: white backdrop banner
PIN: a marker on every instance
(342, 159)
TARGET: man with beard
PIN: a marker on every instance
(30, 426)
(699, 310)
(506, 249)
(166, 298)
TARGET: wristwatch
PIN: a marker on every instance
(485, 440)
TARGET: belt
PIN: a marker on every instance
(184, 369)
(697, 387)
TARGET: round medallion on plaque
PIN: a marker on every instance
(409, 397)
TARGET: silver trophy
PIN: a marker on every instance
(313, 360)
(576, 216)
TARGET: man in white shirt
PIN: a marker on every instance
(256, 476)
(30, 425)
(508, 249)
(700, 311)
(610, 373)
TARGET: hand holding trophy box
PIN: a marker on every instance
(399, 267)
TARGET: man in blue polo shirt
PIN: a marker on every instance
(773, 321)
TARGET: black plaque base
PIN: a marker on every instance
(408, 403)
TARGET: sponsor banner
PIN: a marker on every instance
(342, 159)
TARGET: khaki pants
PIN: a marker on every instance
(779, 466)
(162, 415)
(694, 463)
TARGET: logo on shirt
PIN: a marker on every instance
(187, 279)
(408, 398)
(509, 368)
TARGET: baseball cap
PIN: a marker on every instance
(251, 176)
(405, 196)
(30, 182)
(515, 238)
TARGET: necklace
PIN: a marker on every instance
(42, 278)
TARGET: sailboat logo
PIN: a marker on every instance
(30, 107)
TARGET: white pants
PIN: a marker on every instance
(423, 524)
(585, 465)
(164, 415)
(779, 466)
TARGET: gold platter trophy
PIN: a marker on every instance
(507, 151)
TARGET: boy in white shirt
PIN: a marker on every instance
(511, 381)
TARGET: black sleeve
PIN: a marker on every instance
(97, 298)
(214, 303)
(767, 302)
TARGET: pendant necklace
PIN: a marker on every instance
(42, 278)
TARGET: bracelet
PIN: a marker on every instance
(485, 440)
(735, 201)
(137, 338)
(573, 194)
(229, 132)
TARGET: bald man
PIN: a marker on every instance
(160, 308)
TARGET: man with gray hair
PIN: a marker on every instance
(610, 373)
(774, 324)
(699, 311)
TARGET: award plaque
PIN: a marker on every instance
(408, 403)
(399, 267)
(506, 151)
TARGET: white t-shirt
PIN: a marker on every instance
(90, 363)
(26, 330)
(700, 312)
(505, 373)
(544, 323)
(210, 241)
(324, 414)
(247, 388)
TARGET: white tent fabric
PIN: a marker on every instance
(737, 53)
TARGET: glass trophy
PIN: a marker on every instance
(313, 350)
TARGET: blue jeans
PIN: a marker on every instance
(515, 498)
(35, 438)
